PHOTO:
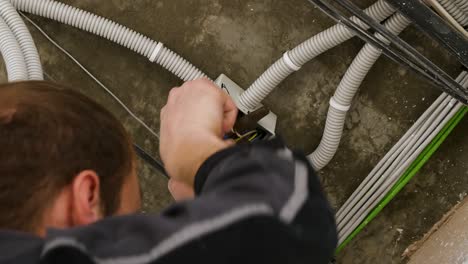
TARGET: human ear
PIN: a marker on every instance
(86, 201)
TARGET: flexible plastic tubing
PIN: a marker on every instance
(409, 174)
(25, 41)
(462, 4)
(391, 155)
(455, 11)
(385, 183)
(12, 54)
(309, 49)
(153, 50)
(341, 101)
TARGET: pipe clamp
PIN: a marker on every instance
(289, 62)
(337, 106)
(156, 51)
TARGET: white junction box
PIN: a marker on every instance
(268, 123)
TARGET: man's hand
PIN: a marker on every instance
(193, 123)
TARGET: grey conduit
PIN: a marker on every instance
(25, 41)
(455, 11)
(393, 154)
(293, 60)
(389, 158)
(153, 50)
(441, 121)
(12, 55)
(407, 148)
(396, 161)
(341, 101)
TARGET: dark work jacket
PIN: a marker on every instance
(257, 204)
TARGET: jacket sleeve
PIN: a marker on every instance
(258, 203)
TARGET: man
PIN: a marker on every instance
(69, 192)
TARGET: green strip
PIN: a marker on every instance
(430, 149)
(409, 173)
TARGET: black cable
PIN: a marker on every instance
(401, 44)
(416, 61)
(152, 162)
(426, 20)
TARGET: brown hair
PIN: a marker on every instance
(48, 135)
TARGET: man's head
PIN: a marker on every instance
(64, 159)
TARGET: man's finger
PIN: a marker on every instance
(230, 114)
(173, 95)
(162, 113)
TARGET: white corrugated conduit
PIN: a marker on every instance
(462, 4)
(24, 39)
(153, 50)
(349, 85)
(309, 49)
(455, 10)
(12, 54)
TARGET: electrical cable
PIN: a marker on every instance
(375, 179)
(397, 149)
(408, 175)
(387, 184)
(359, 213)
(154, 163)
(249, 135)
(383, 189)
(390, 156)
(426, 128)
(117, 99)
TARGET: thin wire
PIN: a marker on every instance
(253, 137)
(150, 160)
(91, 75)
(246, 135)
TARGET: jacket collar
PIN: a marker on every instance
(18, 247)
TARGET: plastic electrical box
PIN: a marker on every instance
(268, 123)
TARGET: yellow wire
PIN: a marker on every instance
(253, 137)
(245, 135)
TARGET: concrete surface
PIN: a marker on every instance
(241, 39)
(448, 243)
